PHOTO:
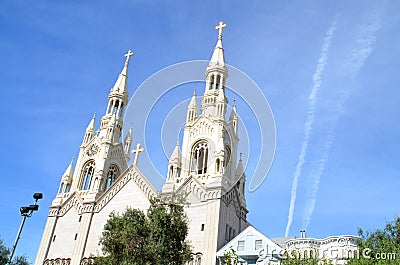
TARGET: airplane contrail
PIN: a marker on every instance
(317, 82)
(363, 48)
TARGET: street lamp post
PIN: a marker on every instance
(26, 211)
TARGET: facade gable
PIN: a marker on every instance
(253, 247)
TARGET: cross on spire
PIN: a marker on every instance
(128, 55)
(136, 152)
(219, 28)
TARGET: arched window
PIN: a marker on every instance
(67, 188)
(112, 175)
(61, 188)
(87, 174)
(199, 158)
(217, 162)
(171, 171)
(116, 105)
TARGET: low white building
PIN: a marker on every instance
(337, 249)
(252, 247)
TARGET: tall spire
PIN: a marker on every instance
(216, 75)
(117, 101)
(121, 85)
(218, 58)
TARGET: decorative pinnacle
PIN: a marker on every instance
(128, 55)
(219, 28)
(240, 156)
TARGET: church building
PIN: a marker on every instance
(206, 168)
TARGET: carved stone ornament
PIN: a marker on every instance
(92, 150)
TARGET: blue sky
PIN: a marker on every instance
(59, 60)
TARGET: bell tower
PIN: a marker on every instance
(209, 149)
(207, 170)
(102, 155)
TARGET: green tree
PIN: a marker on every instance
(4, 256)
(230, 257)
(381, 246)
(135, 238)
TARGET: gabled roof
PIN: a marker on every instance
(243, 237)
(281, 241)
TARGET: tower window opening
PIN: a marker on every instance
(111, 176)
(127, 146)
(61, 188)
(200, 158)
(121, 109)
(67, 187)
(171, 171)
(217, 162)
(87, 175)
(116, 105)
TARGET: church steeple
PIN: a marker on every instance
(111, 123)
(209, 147)
(216, 75)
(218, 54)
(103, 155)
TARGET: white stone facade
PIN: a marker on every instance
(252, 247)
(337, 249)
(206, 171)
